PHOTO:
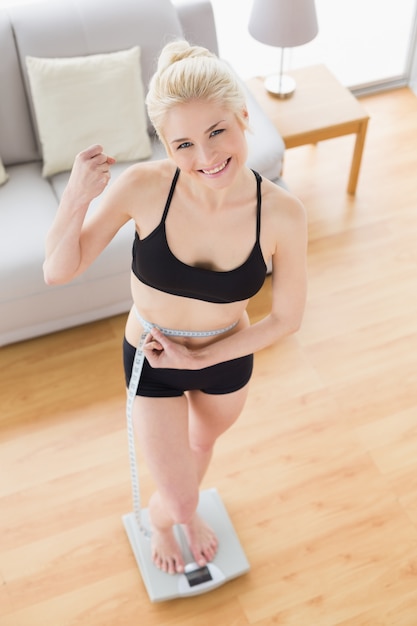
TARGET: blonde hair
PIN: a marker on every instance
(186, 73)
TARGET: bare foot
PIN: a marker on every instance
(201, 540)
(166, 553)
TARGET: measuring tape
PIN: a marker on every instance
(131, 394)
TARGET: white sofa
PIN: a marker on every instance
(28, 200)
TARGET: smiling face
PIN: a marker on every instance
(206, 141)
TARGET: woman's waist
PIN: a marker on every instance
(184, 332)
(188, 327)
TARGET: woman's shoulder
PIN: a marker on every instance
(138, 192)
(141, 185)
(148, 173)
(284, 218)
(279, 204)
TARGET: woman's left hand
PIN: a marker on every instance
(162, 352)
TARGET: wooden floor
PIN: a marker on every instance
(319, 475)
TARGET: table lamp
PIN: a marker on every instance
(283, 24)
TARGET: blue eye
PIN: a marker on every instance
(216, 132)
(186, 144)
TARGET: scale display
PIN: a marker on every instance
(198, 576)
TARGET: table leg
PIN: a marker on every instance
(357, 156)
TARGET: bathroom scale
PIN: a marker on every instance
(229, 562)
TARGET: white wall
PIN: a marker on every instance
(361, 41)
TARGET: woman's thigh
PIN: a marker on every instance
(161, 425)
(210, 415)
(169, 429)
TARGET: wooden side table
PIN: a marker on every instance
(320, 108)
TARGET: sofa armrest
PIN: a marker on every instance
(265, 145)
(198, 24)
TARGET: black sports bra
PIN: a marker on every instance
(155, 265)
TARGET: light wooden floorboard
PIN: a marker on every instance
(319, 475)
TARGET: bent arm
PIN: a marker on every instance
(289, 290)
(67, 249)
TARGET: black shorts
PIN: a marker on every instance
(222, 378)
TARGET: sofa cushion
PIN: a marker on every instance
(80, 101)
(79, 28)
(3, 175)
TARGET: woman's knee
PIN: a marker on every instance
(182, 507)
(202, 445)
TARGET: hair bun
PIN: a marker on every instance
(179, 50)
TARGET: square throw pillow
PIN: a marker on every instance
(3, 175)
(80, 101)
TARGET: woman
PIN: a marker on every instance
(206, 226)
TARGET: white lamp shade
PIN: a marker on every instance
(283, 23)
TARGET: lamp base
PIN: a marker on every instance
(282, 85)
